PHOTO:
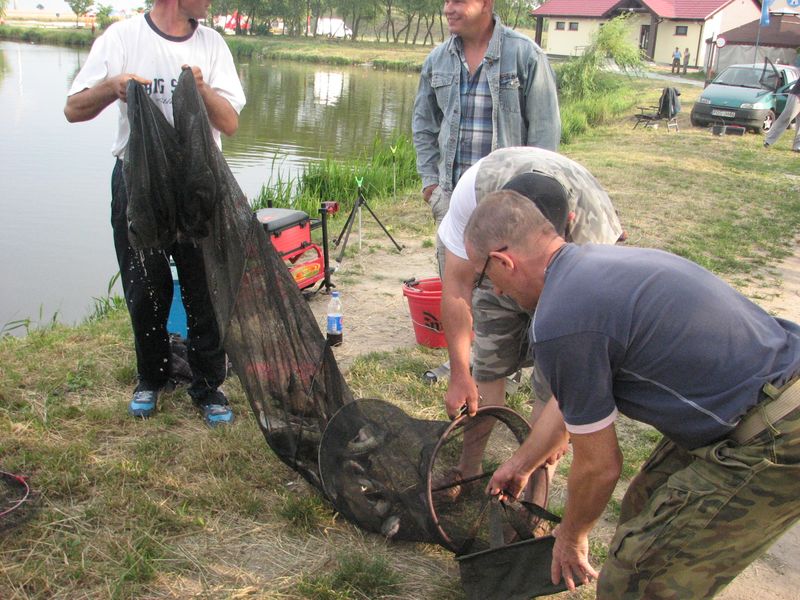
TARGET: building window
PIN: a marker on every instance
(573, 26)
(681, 29)
(559, 25)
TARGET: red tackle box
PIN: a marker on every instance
(290, 233)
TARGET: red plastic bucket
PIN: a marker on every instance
(424, 299)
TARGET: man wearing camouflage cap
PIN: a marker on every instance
(578, 207)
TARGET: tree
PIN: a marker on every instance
(513, 12)
(80, 8)
(104, 15)
(578, 78)
(3, 4)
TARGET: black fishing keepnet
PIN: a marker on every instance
(373, 460)
(152, 160)
(375, 463)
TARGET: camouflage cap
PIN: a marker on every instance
(547, 194)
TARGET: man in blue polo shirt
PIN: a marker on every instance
(655, 337)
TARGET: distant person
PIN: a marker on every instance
(789, 114)
(685, 60)
(487, 87)
(152, 49)
(655, 337)
(676, 61)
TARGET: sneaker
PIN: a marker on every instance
(440, 373)
(216, 410)
(143, 403)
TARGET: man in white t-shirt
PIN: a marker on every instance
(152, 49)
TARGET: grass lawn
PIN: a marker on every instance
(168, 509)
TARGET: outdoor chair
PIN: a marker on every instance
(667, 111)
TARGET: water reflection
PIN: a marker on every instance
(328, 87)
(56, 252)
(298, 112)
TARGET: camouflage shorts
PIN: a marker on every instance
(692, 520)
(501, 335)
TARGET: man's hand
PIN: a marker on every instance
(461, 391)
(508, 480)
(198, 77)
(571, 559)
(220, 112)
(428, 192)
(120, 84)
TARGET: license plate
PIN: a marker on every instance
(724, 113)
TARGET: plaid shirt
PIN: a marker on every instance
(475, 132)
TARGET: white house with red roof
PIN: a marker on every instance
(658, 26)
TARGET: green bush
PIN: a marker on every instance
(573, 123)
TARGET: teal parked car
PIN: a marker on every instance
(749, 95)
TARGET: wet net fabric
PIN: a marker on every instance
(373, 462)
(269, 333)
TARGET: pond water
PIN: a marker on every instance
(56, 250)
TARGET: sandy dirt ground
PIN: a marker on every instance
(376, 318)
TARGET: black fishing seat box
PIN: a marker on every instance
(290, 233)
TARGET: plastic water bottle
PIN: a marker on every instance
(334, 329)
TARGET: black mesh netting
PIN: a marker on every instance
(374, 462)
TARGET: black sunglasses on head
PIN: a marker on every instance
(482, 276)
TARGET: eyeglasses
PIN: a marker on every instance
(482, 276)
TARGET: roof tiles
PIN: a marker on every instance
(669, 9)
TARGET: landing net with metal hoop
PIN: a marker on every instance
(467, 519)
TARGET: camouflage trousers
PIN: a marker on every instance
(693, 520)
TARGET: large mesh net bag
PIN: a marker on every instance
(383, 470)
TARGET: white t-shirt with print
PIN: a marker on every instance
(136, 46)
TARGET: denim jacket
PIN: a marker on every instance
(524, 102)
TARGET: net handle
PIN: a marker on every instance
(501, 413)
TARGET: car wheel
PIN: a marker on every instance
(695, 122)
(769, 120)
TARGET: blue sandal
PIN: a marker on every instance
(217, 414)
(143, 403)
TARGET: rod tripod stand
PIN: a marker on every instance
(348, 226)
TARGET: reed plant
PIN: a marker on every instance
(379, 174)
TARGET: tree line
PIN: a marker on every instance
(398, 21)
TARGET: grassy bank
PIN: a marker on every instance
(41, 35)
(167, 509)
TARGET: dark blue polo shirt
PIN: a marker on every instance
(657, 338)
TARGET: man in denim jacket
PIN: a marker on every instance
(487, 87)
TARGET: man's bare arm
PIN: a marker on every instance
(595, 470)
(88, 103)
(457, 324)
(220, 112)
